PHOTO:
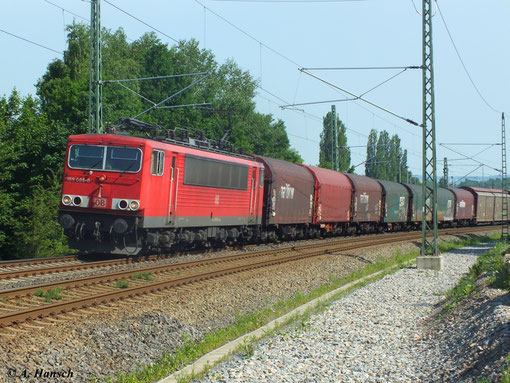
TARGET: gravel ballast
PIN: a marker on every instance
(136, 332)
(375, 334)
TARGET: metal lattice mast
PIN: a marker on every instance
(95, 84)
(445, 172)
(504, 212)
(334, 140)
(429, 246)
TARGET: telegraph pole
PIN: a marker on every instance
(334, 140)
(504, 212)
(95, 84)
(429, 257)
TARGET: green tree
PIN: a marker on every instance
(382, 156)
(406, 174)
(63, 89)
(42, 235)
(386, 160)
(370, 169)
(30, 152)
(326, 145)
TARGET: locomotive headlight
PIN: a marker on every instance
(123, 204)
(67, 200)
(134, 205)
(77, 200)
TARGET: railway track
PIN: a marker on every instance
(47, 300)
(36, 266)
(25, 268)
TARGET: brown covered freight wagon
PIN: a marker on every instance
(288, 197)
(367, 200)
(464, 206)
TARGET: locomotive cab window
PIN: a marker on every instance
(109, 158)
(86, 157)
(207, 172)
(157, 161)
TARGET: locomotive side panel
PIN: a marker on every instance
(210, 190)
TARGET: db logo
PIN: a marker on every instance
(99, 203)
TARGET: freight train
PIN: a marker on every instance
(130, 195)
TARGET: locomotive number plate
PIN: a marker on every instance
(99, 203)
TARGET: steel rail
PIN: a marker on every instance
(123, 261)
(34, 261)
(18, 316)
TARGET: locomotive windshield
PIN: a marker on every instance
(109, 158)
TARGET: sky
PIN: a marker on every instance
(274, 39)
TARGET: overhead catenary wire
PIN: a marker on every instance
(467, 175)
(68, 11)
(408, 120)
(316, 118)
(155, 78)
(75, 14)
(248, 34)
(416, 9)
(382, 83)
(261, 44)
(365, 68)
(470, 158)
(469, 144)
(32, 42)
(158, 105)
(474, 155)
(344, 99)
(141, 21)
(462, 61)
(288, 1)
(317, 102)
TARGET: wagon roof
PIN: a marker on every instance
(329, 177)
(462, 194)
(393, 187)
(482, 190)
(364, 184)
(280, 168)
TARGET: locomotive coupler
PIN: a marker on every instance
(97, 234)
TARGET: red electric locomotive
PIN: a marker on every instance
(122, 194)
